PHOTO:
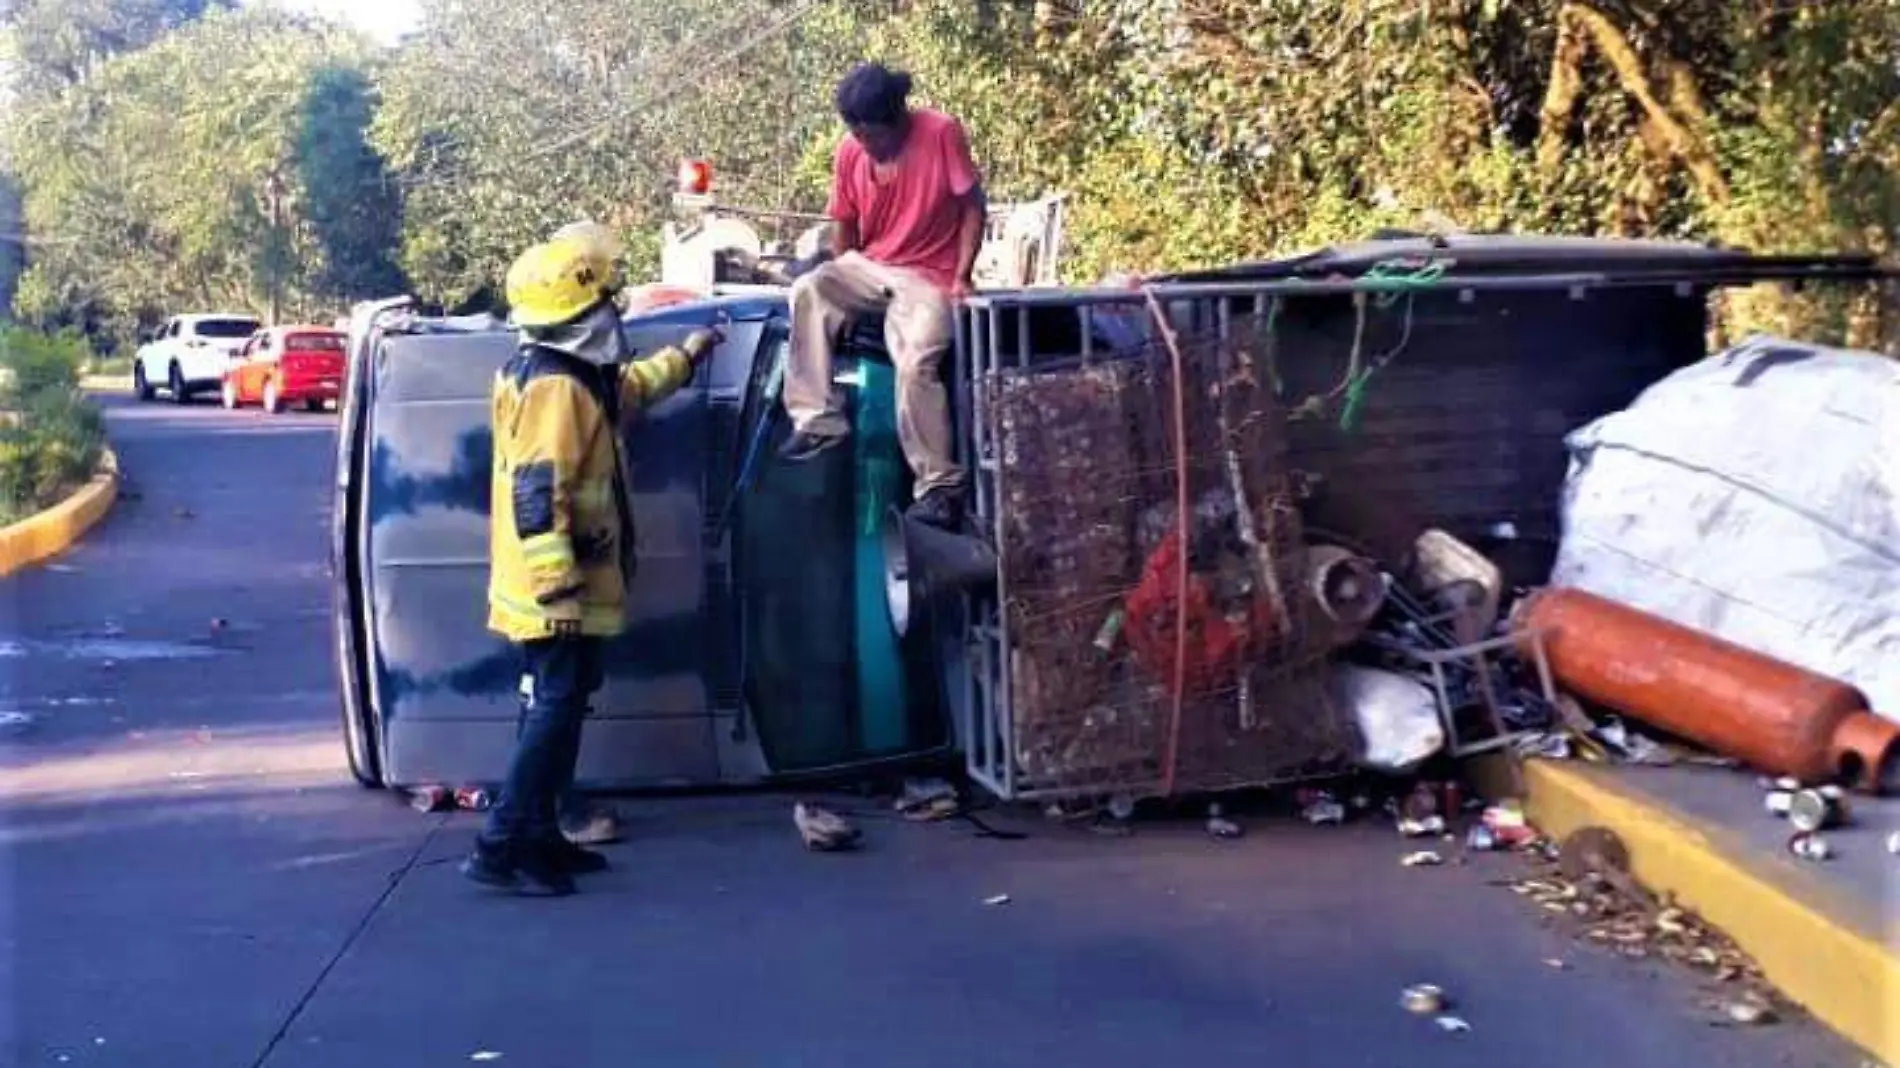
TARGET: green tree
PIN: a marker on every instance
(56, 42)
(508, 118)
(353, 205)
(170, 178)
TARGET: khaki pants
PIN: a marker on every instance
(917, 326)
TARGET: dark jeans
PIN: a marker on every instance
(565, 673)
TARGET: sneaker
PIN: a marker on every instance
(599, 827)
(941, 508)
(804, 445)
(574, 860)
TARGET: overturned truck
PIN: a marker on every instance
(1186, 497)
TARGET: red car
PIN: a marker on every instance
(286, 365)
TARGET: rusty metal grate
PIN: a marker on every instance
(1085, 476)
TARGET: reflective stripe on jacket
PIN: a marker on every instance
(560, 531)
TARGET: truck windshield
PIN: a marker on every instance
(225, 328)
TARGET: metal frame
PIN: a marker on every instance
(987, 723)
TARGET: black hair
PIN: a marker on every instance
(872, 94)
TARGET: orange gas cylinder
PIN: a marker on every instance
(1772, 715)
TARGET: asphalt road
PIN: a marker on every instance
(188, 879)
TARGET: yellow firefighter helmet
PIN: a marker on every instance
(556, 281)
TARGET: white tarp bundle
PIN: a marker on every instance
(1752, 496)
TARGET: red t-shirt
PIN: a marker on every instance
(910, 218)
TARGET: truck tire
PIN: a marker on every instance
(141, 388)
(175, 381)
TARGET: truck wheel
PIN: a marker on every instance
(314, 405)
(175, 381)
(141, 388)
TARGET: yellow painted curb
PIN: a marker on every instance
(49, 533)
(1848, 977)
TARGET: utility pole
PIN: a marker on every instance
(273, 203)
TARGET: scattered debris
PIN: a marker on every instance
(1893, 843)
(823, 831)
(1809, 845)
(484, 1055)
(16, 723)
(1424, 828)
(996, 899)
(1557, 963)
(1748, 1012)
(474, 799)
(1423, 999)
(1452, 1024)
(926, 800)
(1319, 807)
(1424, 858)
(1588, 885)
(1508, 825)
(1219, 826)
(431, 799)
(1816, 810)
(1778, 802)
(1481, 839)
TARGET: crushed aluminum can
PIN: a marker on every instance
(1422, 828)
(1508, 824)
(1809, 846)
(1424, 858)
(474, 799)
(1453, 1025)
(1480, 839)
(431, 799)
(1777, 802)
(1788, 783)
(1320, 807)
(1812, 810)
(1893, 843)
(1422, 999)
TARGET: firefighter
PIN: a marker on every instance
(560, 537)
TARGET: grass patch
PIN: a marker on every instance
(51, 436)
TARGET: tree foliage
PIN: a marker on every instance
(171, 177)
(227, 160)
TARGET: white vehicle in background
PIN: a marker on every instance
(190, 354)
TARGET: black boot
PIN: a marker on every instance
(574, 859)
(941, 508)
(518, 867)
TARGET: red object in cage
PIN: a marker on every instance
(1216, 646)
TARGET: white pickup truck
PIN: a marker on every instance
(190, 354)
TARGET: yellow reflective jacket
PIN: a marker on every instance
(560, 531)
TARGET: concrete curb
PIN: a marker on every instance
(1847, 976)
(47, 534)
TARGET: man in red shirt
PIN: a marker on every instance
(907, 208)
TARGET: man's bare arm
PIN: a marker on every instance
(844, 236)
(969, 239)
